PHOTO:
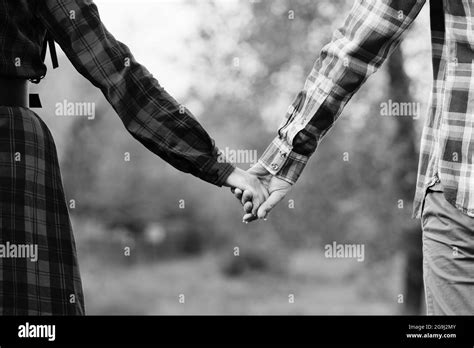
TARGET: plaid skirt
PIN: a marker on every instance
(39, 273)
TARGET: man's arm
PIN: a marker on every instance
(148, 112)
(359, 47)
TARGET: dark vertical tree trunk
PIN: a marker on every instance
(405, 164)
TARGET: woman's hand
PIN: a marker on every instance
(255, 191)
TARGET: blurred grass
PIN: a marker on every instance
(320, 285)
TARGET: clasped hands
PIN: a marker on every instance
(258, 191)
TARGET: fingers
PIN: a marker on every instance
(248, 206)
(250, 188)
(249, 218)
(269, 204)
(237, 193)
(251, 203)
(255, 205)
(247, 196)
(259, 197)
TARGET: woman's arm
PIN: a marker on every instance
(148, 112)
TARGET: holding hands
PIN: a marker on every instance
(255, 193)
(261, 192)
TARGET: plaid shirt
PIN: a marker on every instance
(148, 112)
(368, 36)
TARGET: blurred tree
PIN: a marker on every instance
(404, 176)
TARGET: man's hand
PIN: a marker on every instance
(277, 189)
(255, 191)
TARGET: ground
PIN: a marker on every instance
(319, 285)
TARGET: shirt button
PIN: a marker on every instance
(275, 166)
(283, 155)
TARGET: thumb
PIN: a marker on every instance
(269, 204)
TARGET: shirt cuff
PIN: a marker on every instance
(281, 161)
(216, 171)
